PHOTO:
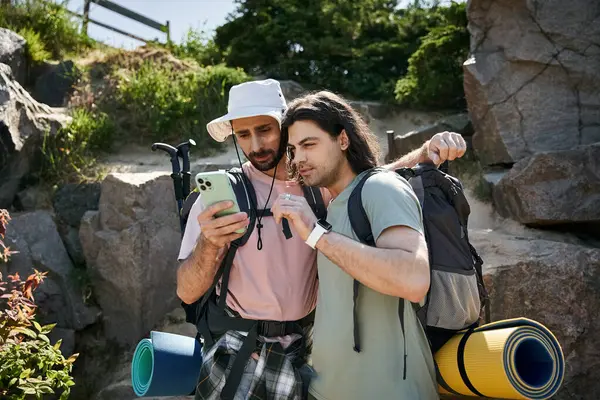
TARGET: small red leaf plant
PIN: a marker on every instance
(30, 366)
(5, 251)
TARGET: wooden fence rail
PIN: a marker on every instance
(114, 7)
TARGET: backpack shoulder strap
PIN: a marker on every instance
(356, 212)
(246, 197)
(186, 207)
(362, 228)
(315, 201)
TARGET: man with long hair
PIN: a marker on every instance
(273, 277)
(361, 351)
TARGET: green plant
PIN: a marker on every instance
(165, 103)
(198, 46)
(29, 364)
(56, 29)
(70, 153)
(435, 79)
(35, 46)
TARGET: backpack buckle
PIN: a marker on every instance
(272, 328)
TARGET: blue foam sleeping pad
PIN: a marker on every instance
(167, 364)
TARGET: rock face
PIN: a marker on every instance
(533, 82)
(130, 246)
(60, 299)
(55, 83)
(23, 123)
(552, 188)
(33, 198)
(12, 53)
(556, 284)
(71, 201)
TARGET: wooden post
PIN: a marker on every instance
(391, 146)
(168, 32)
(86, 16)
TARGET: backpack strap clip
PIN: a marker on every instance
(272, 328)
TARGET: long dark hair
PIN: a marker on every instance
(332, 113)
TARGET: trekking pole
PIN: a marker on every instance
(175, 175)
(183, 151)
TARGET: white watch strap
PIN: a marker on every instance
(315, 235)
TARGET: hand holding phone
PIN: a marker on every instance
(221, 221)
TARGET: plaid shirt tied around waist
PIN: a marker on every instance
(275, 376)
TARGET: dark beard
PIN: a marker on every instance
(264, 166)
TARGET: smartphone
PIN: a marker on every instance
(215, 186)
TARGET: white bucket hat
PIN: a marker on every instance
(249, 99)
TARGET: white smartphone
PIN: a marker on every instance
(215, 186)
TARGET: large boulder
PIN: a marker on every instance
(552, 188)
(13, 53)
(60, 298)
(556, 284)
(533, 80)
(23, 124)
(130, 245)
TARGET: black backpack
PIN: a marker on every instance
(454, 263)
(209, 313)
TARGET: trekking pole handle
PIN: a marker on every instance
(183, 151)
(172, 151)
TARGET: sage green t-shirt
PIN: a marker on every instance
(376, 372)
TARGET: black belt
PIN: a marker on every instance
(221, 323)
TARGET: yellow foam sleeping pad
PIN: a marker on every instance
(510, 359)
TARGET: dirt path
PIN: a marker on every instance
(141, 159)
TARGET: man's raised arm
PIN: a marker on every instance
(441, 147)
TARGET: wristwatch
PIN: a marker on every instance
(321, 227)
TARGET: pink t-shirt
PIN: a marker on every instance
(278, 282)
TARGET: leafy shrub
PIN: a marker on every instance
(435, 78)
(198, 46)
(69, 155)
(36, 49)
(58, 31)
(163, 103)
(29, 364)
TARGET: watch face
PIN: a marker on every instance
(326, 225)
